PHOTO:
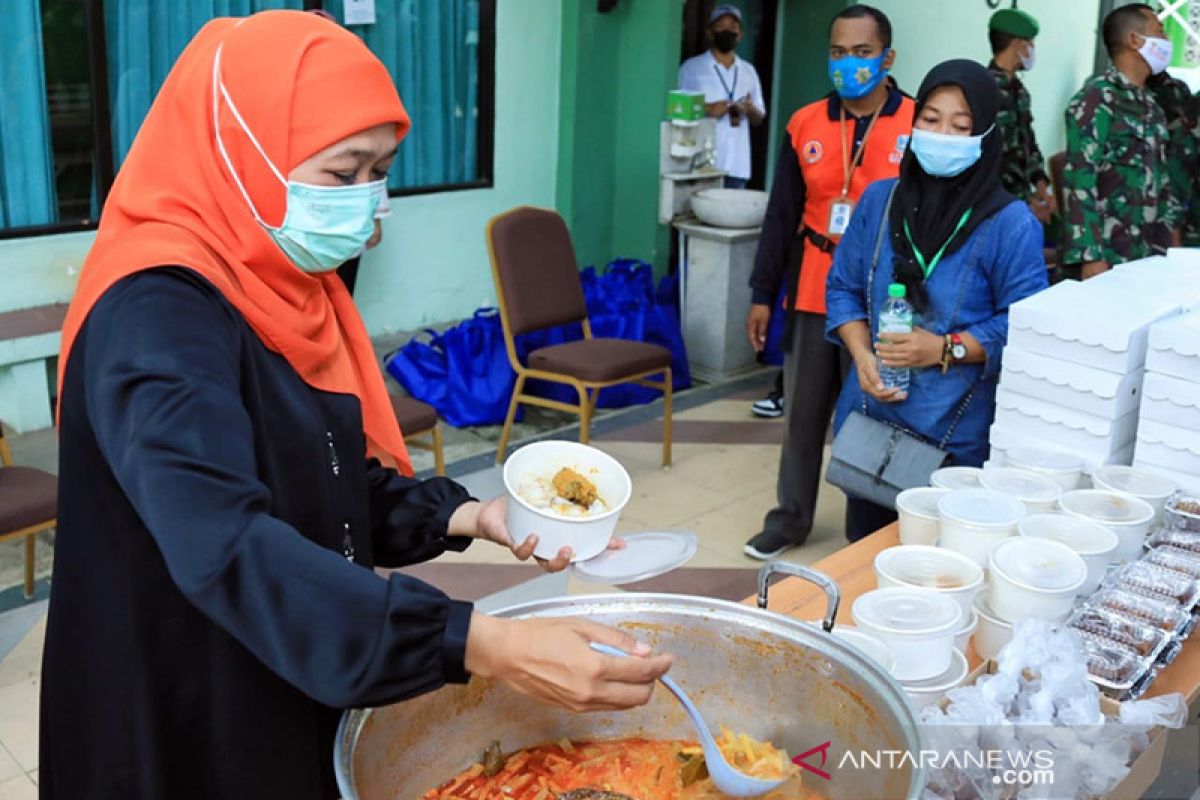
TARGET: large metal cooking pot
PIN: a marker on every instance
(773, 677)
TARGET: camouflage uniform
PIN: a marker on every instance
(1182, 109)
(1120, 206)
(1023, 165)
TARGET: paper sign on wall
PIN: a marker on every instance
(359, 12)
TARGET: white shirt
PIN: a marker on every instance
(703, 73)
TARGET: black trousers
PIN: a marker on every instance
(864, 518)
(813, 372)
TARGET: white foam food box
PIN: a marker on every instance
(1003, 439)
(1063, 426)
(1174, 347)
(1094, 322)
(1172, 401)
(1168, 447)
(1093, 391)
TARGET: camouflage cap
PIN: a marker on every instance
(1014, 22)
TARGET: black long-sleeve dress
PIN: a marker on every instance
(213, 603)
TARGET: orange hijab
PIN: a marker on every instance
(301, 84)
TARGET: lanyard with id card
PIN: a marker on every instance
(843, 207)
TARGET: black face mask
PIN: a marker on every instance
(725, 40)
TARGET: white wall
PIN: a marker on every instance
(927, 32)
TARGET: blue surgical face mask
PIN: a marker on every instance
(944, 155)
(855, 77)
(324, 226)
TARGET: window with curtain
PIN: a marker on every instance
(78, 76)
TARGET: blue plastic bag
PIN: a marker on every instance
(772, 353)
(463, 373)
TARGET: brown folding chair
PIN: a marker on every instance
(419, 419)
(538, 287)
(28, 506)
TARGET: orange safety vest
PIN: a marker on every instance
(817, 140)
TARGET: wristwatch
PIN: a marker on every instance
(953, 350)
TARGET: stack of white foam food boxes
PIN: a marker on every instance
(1075, 362)
(1168, 437)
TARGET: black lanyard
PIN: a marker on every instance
(728, 91)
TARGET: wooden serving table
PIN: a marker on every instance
(853, 569)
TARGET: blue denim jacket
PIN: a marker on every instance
(970, 291)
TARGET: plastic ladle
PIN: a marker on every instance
(725, 777)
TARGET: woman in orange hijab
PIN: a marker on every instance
(230, 468)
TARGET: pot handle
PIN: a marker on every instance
(832, 593)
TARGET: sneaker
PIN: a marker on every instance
(769, 544)
(770, 407)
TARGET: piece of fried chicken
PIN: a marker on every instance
(574, 488)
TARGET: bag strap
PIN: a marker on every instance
(966, 401)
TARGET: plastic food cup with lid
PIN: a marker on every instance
(1156, 489)
(1130, 518)
(919, 514)
(1095, 544)
(927, 692)
(993, 633)
(869, 646)
(956, 478)
(1038, 492)
(1034, 579)
(917, 625)
(927, 567)
(1065, 469)
(973, 521)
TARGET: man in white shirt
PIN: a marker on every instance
(732, 93)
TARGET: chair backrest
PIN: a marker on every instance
(534, 267)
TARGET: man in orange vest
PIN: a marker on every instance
(834, 148)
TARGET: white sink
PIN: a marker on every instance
(730, 208)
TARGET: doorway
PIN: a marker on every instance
(759, 18)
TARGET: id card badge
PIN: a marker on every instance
(839, 216)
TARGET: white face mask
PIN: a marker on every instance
(1158, 53)
(1028, 59)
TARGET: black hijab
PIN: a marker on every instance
(932, 206)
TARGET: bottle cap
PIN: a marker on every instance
(896, 290)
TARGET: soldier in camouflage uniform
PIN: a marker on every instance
(1119, 198)
(1023, 171)
(1182, 109)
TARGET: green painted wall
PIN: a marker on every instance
(616, 69)
(801, 53)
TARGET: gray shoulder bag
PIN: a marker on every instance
(875, 460)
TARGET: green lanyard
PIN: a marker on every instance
(932, 265)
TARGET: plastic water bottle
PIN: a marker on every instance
(895, 317)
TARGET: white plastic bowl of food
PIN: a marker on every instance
(868, 645)
(993, 633)
(956, 478)
(973, 521)
(529, 470)
(1065, 469)
(928, 567)
(1153, 487)
(1095, 544)
(1030, 578)
(1130, 518)
(917, 625)
(962, 637)
(919, 514)
(927, 692)
(1038, 492)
